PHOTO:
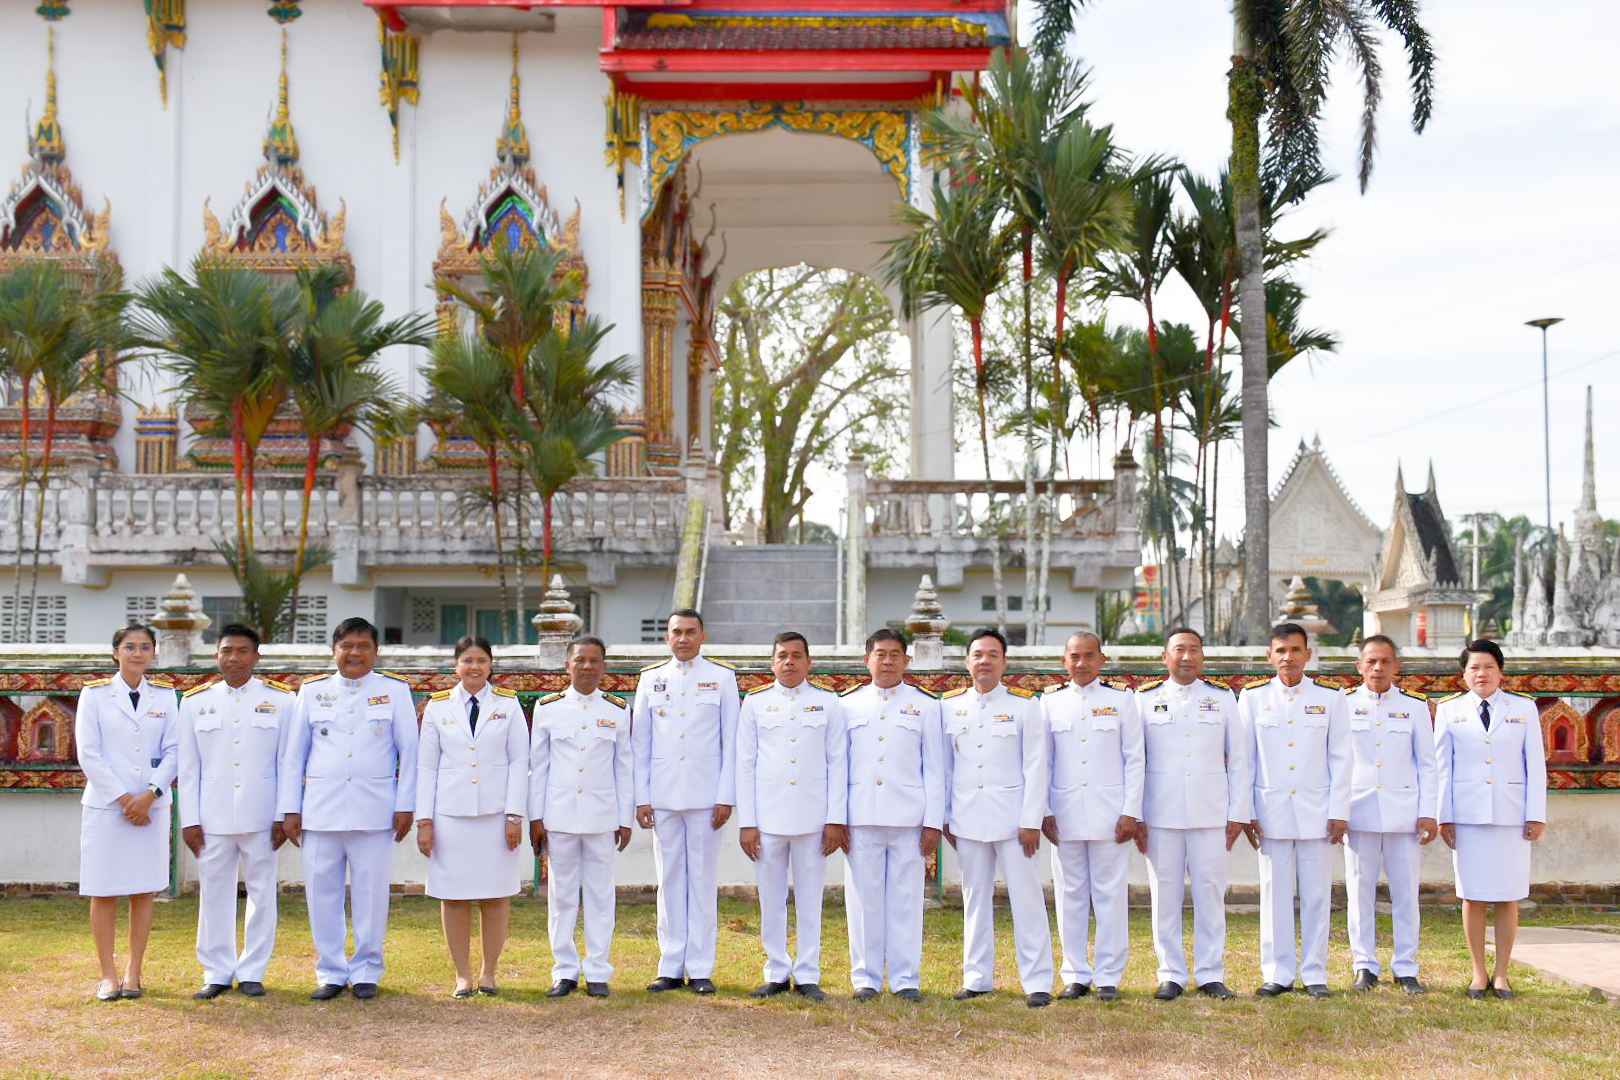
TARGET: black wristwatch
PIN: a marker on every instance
(157, 792)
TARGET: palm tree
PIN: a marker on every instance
(335, 373)
(34, 304)
(1283, 52)
(957, 256)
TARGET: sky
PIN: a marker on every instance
(1506, 209)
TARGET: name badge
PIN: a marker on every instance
(658, 687)
(607, 722)
(377, 700)
(1315, 710)
(1160, 707)
(156, 762)
(1513, 720)
(263, 706)
(1106, 710)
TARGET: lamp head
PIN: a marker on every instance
(1542, 324)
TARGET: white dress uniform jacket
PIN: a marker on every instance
(1198, 761)
(580, 769)
(792, 760)
(685, 734)
(125, 749)
(896, 757)
(1094, 739)
(462, 773)
(231, 739)
(996, 771)
(1495, 777)
(350, 763)
(1392, 781)
(1302, 757)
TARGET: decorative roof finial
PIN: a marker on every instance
(512, 148)
(1589, 474)
(280, 145)
(47, 146)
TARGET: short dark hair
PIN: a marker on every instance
(1380, 639)
(472, 642)
(1489, 648)
(987, 632)
(1083, 634)
(685, 613)
(124, 631)
(237, 629)
(1285, 630)
(789, 635)
(355, 625)
(1183, 630)
(587, 640)
(884, 634)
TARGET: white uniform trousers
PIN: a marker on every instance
(1400, 855)
(1174, 856)
(1088, 877)
(1032, 933)
(686, 858)
(368, 858)
(216, 907)
(802, 855)
(1282, 864)
(885, 875)
(580, 864)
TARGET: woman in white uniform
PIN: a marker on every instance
(472, 783)
(1492, 776)
(128, 748)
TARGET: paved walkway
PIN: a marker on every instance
(1576, 956)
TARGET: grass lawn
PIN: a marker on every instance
(50, 1025)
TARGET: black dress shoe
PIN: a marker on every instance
(965, 994)
(131, 994)
(1168, 991)
(1504, 993)
(463, 994)
(1271, 990)
(865, 993)
(251, 989)
(701, 986)
(1217, 990)
(490, 991)
(1410, 984)
(113, 994)
(811, 992)
(770, 989)
(1040, 999)
(326, 992)
(910, 993)
(1107, 993)
(1318, 991)
(562, 988)
(1074, 990)
(363, 991)
(210, 991)
(1476, 995)
(1365, 980)
(597, 989)
(662, 983)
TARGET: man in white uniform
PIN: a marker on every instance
(792, 788)
(1392, 812)
(896, 812)
(684, 734)
(1301, 737)
(1195, 803)
(581, 795)
(1094, 741)
(232, 734)
(348, 793)
(996, 779)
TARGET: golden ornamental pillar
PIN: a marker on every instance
(659, 303)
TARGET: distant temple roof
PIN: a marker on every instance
(782, 31)
(1430, 526)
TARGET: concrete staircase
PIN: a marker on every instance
(755, 592)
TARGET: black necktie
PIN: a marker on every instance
(135, 701)
(1485, 714)
(472, 714)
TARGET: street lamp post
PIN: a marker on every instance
(1546, 421)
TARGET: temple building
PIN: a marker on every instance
(1418, 595)
(661, 148)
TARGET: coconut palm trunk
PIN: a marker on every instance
(495, 519)
(1032, 597)
(976, 326)
(239, 469)
(1246, 102)
(22, 497)
(39, 506)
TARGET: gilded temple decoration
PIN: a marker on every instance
(278, 226)
(400, 79)
(165, 29)
(284, 11)
(623, 145)
(53, 10)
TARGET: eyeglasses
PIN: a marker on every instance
(136, 647)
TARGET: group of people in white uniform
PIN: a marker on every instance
(1179, 769)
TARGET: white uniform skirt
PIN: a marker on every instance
(120, 859)
(1492, 862)
(470, 860)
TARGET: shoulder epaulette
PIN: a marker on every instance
(1226, 684)
(1019, 691)
(1412, 694)
(98, 682)
(394, 675)
(283, 687)
(442, 695)
(614, 700)
(758, 689)
(504, 692)
(953, 693)
(168, 683)
(1152, 684)
(850, 690)
(1515, 693)
(549, 698)
(824, 684)
(722, 663)
(1449, 697)
(925, 692)
(650, 667)
(199, 688)
(1117, 684)
(1331, 682)
(314, 678)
